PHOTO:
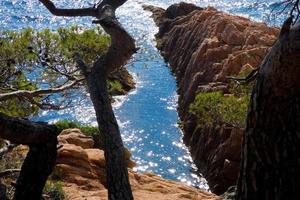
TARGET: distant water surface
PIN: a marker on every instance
(147, 116)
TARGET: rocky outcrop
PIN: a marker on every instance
(203, 47)
(82, 170)
(125, 79)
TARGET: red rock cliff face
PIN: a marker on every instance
(203, 47)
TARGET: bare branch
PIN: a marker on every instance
(47, 106)
(54, 68)
(36, 93)
(293, 5)
(249, 78)
(81, 12)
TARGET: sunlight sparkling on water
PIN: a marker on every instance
(147, 116)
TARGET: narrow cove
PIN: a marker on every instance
(147, 116)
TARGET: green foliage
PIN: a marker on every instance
(86, 129)
(88, 43)
(215, 108)
(54, 190)
(25, 58)
(115, 87)
(234, 110)
(17, 107)
(21, 48)
(206, 108)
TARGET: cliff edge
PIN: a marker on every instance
(204, 46)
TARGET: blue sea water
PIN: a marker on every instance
(147, 116)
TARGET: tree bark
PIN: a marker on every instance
(21, 131)
(121, 49)
(270, 168)
(36, 168)
(3, 195)
(116, 170)
(39, 162)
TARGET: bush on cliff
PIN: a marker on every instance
(216, 108)
(115, 87)
(86, 129)
(53, 190)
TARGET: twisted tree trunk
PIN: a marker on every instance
(121, 49)
(270, 167)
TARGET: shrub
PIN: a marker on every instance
(206, 108)
(214, 108)
(115, 87)
(53, 190)
(86, 129)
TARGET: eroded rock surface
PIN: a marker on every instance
(82, 170)
(203, 47)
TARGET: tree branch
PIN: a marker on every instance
(47, 106)
(82, 12)
(113, 3)
(81, 64)
(36, 93)
(122, 44)
(249, 78)
(21, 131)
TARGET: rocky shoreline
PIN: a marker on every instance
(204, 46)
(122, 82)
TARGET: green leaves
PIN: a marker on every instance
(115, 87)
(215, 108)
(206, 108)
(86, 129)
(33, 59)
(90, 44)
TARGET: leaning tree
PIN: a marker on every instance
(42, 138)
(121, 49)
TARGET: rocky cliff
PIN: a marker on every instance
(82, 172)
(203, 46)
(120, 82)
